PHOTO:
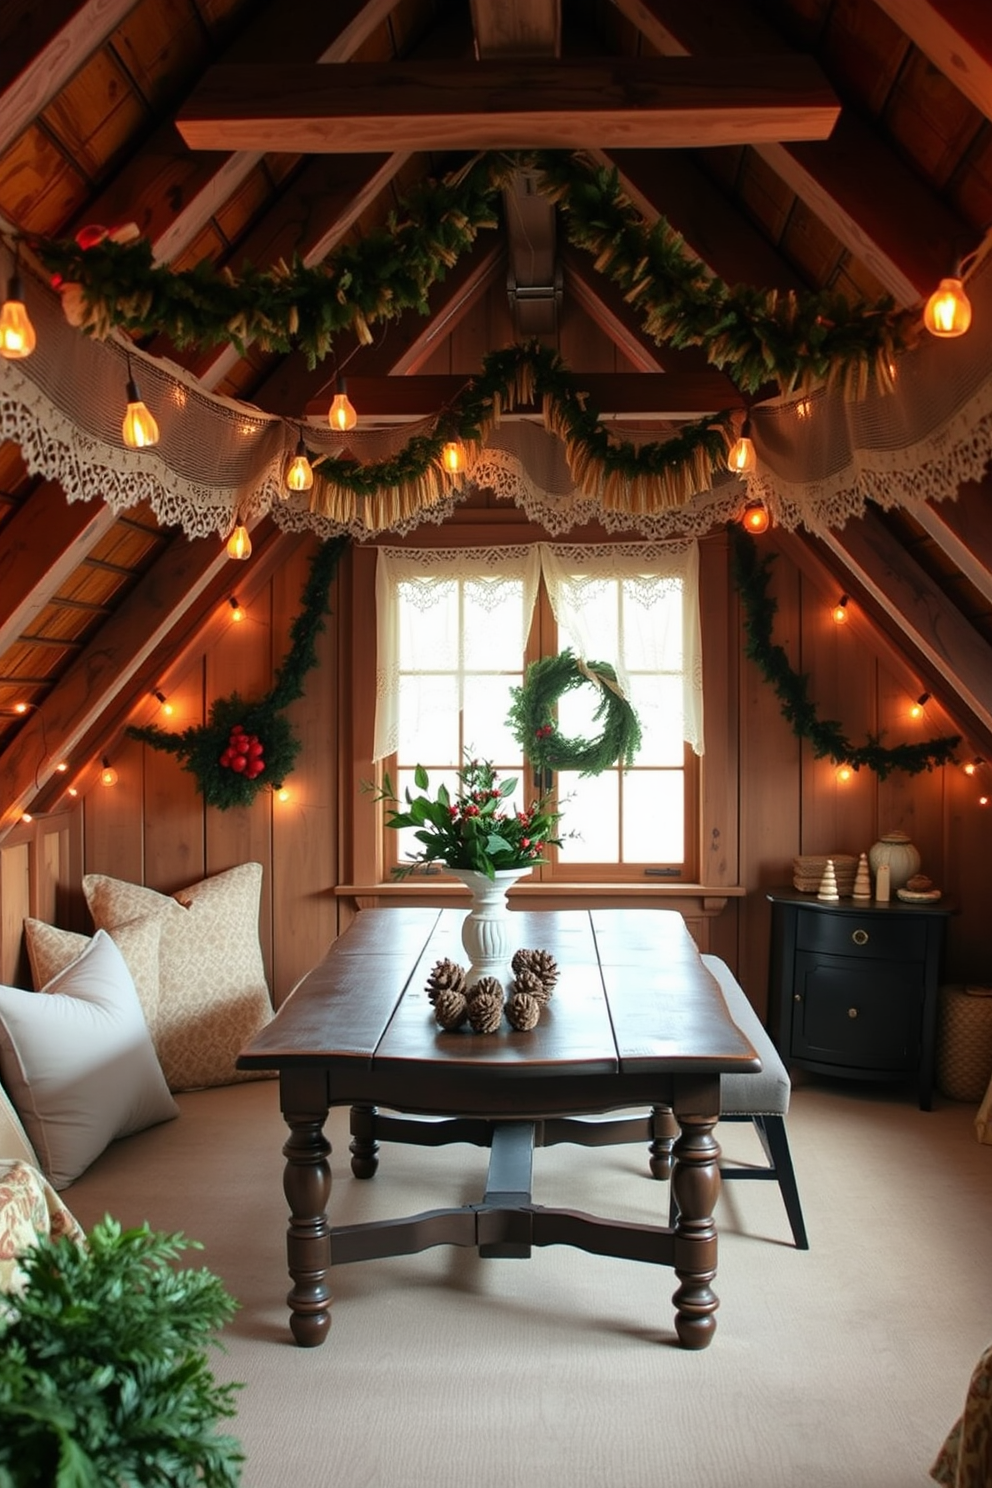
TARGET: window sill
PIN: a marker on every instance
(710, 899)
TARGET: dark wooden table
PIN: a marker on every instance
(636, 1019)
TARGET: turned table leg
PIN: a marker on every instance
(695, 1184)
(364, 1148)
(307, 1186)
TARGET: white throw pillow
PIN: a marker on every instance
(14, 1144)
(78, 1062)
(213, 996)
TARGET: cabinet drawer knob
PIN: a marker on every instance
(797, 997)
(860, 937)
(852, 1012)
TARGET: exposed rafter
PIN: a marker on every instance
(566, 105)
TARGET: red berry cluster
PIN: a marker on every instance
(544, 732)
(244, 753)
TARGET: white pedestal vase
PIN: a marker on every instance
(486, 929)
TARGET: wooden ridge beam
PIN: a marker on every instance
(567, 104)
(855, 183)
(653, 395)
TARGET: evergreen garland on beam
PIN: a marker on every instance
(751, 575)
(206, 749)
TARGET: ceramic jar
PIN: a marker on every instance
(902, 857)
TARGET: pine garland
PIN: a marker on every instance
(751, 575)
(202, 748)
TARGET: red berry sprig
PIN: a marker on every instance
(244, 753)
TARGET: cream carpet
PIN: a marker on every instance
(839, 1367)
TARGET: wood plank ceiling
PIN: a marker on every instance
(793, 143)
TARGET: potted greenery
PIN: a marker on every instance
(104, 1380)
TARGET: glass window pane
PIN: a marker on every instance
(429, 637)
(428, 720)
(590, 809)
(487, 702)
(653, 816)
(493, 626)
(657, 702)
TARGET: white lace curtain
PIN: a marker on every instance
(573, 574)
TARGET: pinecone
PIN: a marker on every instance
(530, 985)
(486, 986)
(522, 1011)
(541, 963)
(450, 1008)
(445, 975)
(485, 1010)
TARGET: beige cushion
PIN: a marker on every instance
(213, 996)
(78, 1062)
(51, 950)
(14, 1141)
(29, 1210)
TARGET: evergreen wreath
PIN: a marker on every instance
(751, 575)
(254, 732)
(531, 718)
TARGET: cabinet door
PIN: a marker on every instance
(858, 1014)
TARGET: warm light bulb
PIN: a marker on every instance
(108, 775)
(72, 791)
(844, 774)
(742, 458)
(282, 793)
(948, 310)
(20, 707)
(983, 800)
(756, 518)
(26, 816)
(239, 543)
(839, 611)
(916, 711)
(61, 767)
(17, 336)
(139, 428)
(453, 457)
(341, 415)
(299, 472)
(237, 613)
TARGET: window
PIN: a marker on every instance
(456, 630)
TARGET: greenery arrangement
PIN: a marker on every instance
(756, 335)
(104, 1377)
(532, 716)
(472, 829)
(245, 747)
(751, 575)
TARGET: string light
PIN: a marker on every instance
(17, 334)
(239, 543)
(341, 415)
(61, 767)
(839, 611)
(139, 429)
(108, 775)
(916, 711)
(72, 791)
(282, 793)
(844, 773)
(21, 707)
(453, 457)
(756, 518)
(948, 310)
(742, 458)
(167, 707)
(971, 768)
(299, 471)
(26, 816)
(237, 613)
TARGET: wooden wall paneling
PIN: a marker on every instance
(114, 817)
(912, 803)
(304, 828)
(242, 661)
(173, 806)
(770, 808)
(719, 846)
(965, 881)
(360, 854)
(15, 904)
(836, 817)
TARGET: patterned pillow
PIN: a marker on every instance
(51, 950)
(213, 996)
(29, 1208)
(78, 1062)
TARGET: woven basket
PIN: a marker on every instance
(964, 1042)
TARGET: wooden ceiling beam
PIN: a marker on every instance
(857, 185)
(41, 47)
(120, 659)
(568, 104)
(961, 530)
(517, 28)
(401, 347)
(955, 36)
(600, 299)
(41, 546)
(918, 613)
(652, 395)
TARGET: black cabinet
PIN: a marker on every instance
(854, 986)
